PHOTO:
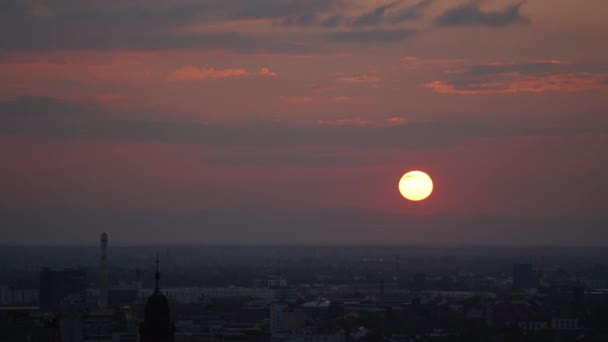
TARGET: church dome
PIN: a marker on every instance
(157, 309)
(157, 325)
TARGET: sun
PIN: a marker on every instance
(416, 186)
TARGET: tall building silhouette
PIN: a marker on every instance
(103, 274)
(158, 326)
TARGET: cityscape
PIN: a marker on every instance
(306, 293)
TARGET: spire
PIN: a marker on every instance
(157, 275)
(278, 262)
(103, 273)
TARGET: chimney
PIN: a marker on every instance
(103, 274)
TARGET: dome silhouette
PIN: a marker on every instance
(158, 326)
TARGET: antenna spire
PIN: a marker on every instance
(278, 262)
(157, 275)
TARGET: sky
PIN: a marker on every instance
(185, 107)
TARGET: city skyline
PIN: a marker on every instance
(303, 171)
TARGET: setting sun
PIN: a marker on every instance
(416, 185)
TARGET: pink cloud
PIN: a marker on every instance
(297, 99)
(192, 73)
(521, 83)
(325, 89)
(267, 72)
(413, 63)
(395, 121)
(363, 79)
(341, 98)
(310, 99)
(507, 76)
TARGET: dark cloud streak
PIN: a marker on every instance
(376, 16)
(53, 119)
(155, 26)
(370, 36)
(384, 15)
(510, 77)
(471, 15)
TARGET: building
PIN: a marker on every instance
(118, 297)
(191, 295)
(55, 286)
(103, 273)
(312, 337)
(27, 324)
(158, 325)
(26, 296)
(277, 311)
(302, 323)
(6, 295)
(524, 277)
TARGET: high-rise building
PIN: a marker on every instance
(55, 286)
(103, 274)
(158, 326)
(6, 295)
(524, 277)
(277, 310)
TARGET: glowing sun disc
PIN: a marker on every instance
(415, 186)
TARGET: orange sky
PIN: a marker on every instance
(305, 104)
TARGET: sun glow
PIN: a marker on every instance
(416, 185)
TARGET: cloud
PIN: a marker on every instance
(520, 83)
(296, 10)
(350, 81)
(304, 100)
(343, 82)
(503, 77)
(151, 25)
(395, 121)
(376, 16)
(472, 15)
(498, 67)
(267, 72)
(388, 14)
(158, 25)
(192, 73)
(55, 119)
(361, 79)
(297, 99)
(391, 14)
(341, 98)
(410, 13)
(370, 36)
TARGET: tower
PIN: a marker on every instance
(103, 274)
(158, 325)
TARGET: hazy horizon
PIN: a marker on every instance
(263, 225)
